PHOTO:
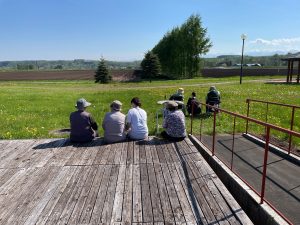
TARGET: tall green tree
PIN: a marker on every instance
(150, 66)
(179, 51)
(102, 75)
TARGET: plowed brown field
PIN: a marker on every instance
(118, 75)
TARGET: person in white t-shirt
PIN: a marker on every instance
(136, 121)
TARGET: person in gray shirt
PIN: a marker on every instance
(83, 126)
(114, 123)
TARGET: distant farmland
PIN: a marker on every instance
(128, 75)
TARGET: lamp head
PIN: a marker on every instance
(243, 36)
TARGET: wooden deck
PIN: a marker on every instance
(51, 181)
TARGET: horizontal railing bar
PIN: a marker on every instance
(297, 134)
(273, 103)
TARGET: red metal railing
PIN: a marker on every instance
(267, 126)
(292, 107)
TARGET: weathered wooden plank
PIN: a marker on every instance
(37, 211)
(235, 208)
(146, 197)
(154, 154)
(176, 207)
(72, 200)
(193, 195)
(95, 203)
(118, 201)
(214, 206)
(130, 152)
(127, 204)
(148, 152)
(15, 189)
(200, 194)
(43, 216)
(10, 150)
(165, 201)
(6, 175)
(137, 213)
(123, 158)
(60, 205)
(93, 180)
(118, 152)
(104, 158)
(136, 153)
(109, 199)
(141, 146)
(183, 199)
(160, 153)
(33, 194)
(112, 155)
(154, 193)
(42, 156)
(20, 154)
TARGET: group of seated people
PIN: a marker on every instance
(193, 106)
(118, 127)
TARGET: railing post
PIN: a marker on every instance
(262, 195)
(267, 111)
(201, 123)
(248, 110)
(214, 134)
(292, 125)
(192, 117)
(232, 148)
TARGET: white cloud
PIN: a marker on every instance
(282, 44)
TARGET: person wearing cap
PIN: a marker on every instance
(83, 126)
(174, 123)
(114, 124)
(136, 121)
(213, 98)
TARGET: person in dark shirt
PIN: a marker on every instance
(213, 98)
(193, 105)
(83, 126)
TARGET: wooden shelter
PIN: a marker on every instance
(291, 59)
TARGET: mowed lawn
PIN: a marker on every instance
(32, 109)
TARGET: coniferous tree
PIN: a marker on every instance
(102, 75)
(150, 66)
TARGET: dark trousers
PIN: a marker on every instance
(166, 136)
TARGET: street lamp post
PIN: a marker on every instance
(243, 36)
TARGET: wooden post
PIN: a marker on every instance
(288, 72)
(298, 76)
(292, 70)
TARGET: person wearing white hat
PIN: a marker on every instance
(83, 126)
(114, 124)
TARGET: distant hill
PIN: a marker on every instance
(76, 64)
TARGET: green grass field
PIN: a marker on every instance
(32, 109)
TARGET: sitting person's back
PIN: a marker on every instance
(213, 98)
(114, 124)
(193, 105)
(213, 95)
(174, 123)
(83, 126)
(136, 121)
(178, 96)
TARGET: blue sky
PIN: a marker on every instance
(123, 30)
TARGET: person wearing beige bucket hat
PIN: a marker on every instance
(114, 123)
(83, 126)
